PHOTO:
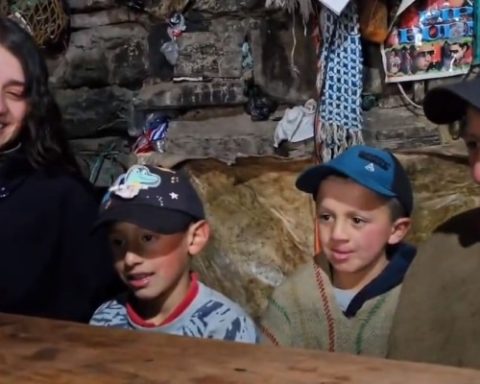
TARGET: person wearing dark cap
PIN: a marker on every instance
(345, 298)
(156, 223)
(438, 316)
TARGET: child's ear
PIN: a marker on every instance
(198, 235)
(400, 229)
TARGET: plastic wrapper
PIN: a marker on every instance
(154, 134)
(170, 51)
(430, 39)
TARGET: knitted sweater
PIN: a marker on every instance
(303, 311)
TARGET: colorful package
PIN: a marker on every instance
(430, 39)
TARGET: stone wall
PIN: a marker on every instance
(112, 73)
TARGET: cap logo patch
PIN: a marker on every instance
(370, 167)
(374, 160)
(131, 183)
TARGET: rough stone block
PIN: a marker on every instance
(227, 6)
(104, 56)
(190, 95)
(161, 8)
(215, 51)
(90, 5)
(104, 17)
(399, 128)
(212, 54)
(272, 45)
(88, 112)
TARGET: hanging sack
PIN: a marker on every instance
(373, 20)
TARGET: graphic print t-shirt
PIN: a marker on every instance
(209, 315)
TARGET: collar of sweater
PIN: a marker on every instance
(400, 258)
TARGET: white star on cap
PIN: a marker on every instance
(173, 196)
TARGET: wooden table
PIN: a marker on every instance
(43, 351)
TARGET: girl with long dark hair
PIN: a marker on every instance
(51, 265)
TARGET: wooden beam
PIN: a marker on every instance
(44, 351)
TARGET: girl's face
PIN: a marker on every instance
(13, 104)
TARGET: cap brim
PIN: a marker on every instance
(447, 104)
(155, 219)
(310, 180)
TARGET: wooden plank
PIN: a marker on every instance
(43, 351)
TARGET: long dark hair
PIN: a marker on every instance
(43, 136)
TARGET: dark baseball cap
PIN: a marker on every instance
(375, 169)
(157, 199)
(447, 104)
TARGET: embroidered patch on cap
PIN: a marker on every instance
(137, 178)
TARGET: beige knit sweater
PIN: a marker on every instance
(303, 313)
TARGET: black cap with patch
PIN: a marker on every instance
(447, 104)
(157, 199)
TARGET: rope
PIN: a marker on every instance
(294, 46)
(407, 98)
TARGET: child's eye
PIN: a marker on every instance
(117, 242)
(358, 220)
(15, 94)
(324, 217)
(147, 238)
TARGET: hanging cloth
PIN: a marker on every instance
(341, 81)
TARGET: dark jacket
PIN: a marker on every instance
(51, 264)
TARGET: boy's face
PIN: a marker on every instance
(355, 227)
(153, 265)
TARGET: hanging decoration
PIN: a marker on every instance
(340, 82)
(166, 8)
(430, 39)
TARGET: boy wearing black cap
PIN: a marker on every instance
(156, 222)
(438, 315)
(345, 298)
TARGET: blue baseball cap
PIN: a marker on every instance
(375, 169)
(157, 199)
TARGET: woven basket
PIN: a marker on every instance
(45, 20)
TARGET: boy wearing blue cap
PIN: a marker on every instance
(156, 223)
(345, 298)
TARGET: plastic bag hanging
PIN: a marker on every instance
(154, 134)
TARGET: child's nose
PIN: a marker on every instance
(339, 231)
(131, 258)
